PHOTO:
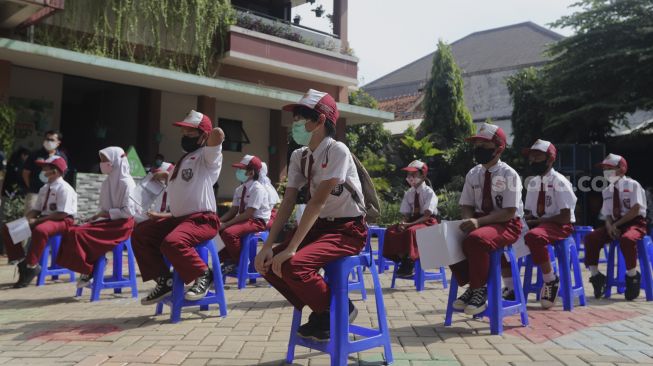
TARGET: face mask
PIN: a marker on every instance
(611, 176)
(157, 163)
(241, 175)
(299, 133)
(50, 145)
(106, 167)
(483, 155)
(43, 177)
(538, 168)
(190, 144)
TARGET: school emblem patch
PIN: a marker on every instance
(337, 190)
(187, 174)
(549, 201)
(498, 200)
(627, 203)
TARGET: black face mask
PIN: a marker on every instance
(190, 144)
(483, 155)
(538, 168)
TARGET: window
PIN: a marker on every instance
(235, 135)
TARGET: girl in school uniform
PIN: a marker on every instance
(249, 212)
(273, 196)
(82, 245)
(192, 218)
(419, 208)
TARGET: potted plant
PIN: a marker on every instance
(296, 19)
(318, 11)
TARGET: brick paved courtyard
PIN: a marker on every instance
(47, 325)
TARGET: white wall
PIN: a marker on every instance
(39, 85)
(256, 123)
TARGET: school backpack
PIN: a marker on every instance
(371, 207)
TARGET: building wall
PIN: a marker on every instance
(40, 86)
(486, 95)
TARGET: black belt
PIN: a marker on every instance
(339, 220)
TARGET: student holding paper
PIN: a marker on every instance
(419, 208)
(549, 213)
(491, 209)
(151, 195)
(249, 212)
(83, 245)
(192, 218)
(52, 214)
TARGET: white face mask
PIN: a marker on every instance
(43, 177)
(50, 145)
(611, 176)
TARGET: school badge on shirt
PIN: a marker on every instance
(187, 174)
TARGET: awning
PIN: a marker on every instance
(101, 68)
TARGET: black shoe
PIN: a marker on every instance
(228, 268)
(549, 293)
(598, 281)
(633, 286)
(20, 267)
(407, 268)
(508, 294)
(201, 287)
(306, 330)
(319, 325)
(353, 312)
(461, 302)
(162, 289)
(28, 276)
(478, 302)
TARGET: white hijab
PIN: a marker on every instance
(118, 185)
(273, 196)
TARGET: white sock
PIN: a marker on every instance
(631, 272)
(594, 270)
(31, 266)
(507, 282)
(548, 277)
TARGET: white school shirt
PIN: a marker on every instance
(256, 197)
(558, 195)
(506, 188)
(332, 159)
(63, 198)
(428, 200)
(630, 193)
(192, 190)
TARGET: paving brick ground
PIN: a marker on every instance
(47, 325)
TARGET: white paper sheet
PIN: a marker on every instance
(19, 230)
(219, 243)
(440, 245)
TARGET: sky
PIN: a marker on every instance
(388, 34)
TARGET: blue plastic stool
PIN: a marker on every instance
(497, 307)
(340, 345)
(246, 270)
(531, 287)
(579, 237)
(643, 253)
(357, 282)
(421, 276)
(116, 281)
(570, 288)
(52, 269)
(176, 300)
(380, 261)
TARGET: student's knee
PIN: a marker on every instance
(475, 240)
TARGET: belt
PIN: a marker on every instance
(339, 220)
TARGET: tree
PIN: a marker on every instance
(446, 117)
(528, 111)
(603, 72)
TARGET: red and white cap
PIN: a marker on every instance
(165, 167)
(196, 119)
(249, 162)
(417, 166)
(544, 146)
(55, 161)
(614, 161)
(488, 132)
(321, 102)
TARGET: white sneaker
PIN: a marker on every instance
(84, 280)
(461, 302)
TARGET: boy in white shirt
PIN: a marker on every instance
(549, 213)
(192, 218)
(249, 212)
(624, 209)
(52, 214)
(491, 209)
(333, 223)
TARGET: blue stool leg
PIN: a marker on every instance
(517, 285)
(494, 293)
(117, 266)
(562, 253)
(132, 269)
(40, 281)
(419, 276)
(54, 250)
(217, 279)
(245, 242)
(528, 276)
(443, 272)
(621, 271)
(381, 315)
(645, 267)
(296, 318)
(453, 294)
(578, 275)
(610, 270)
(98, 277)
(361, 279)
(381, 261)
